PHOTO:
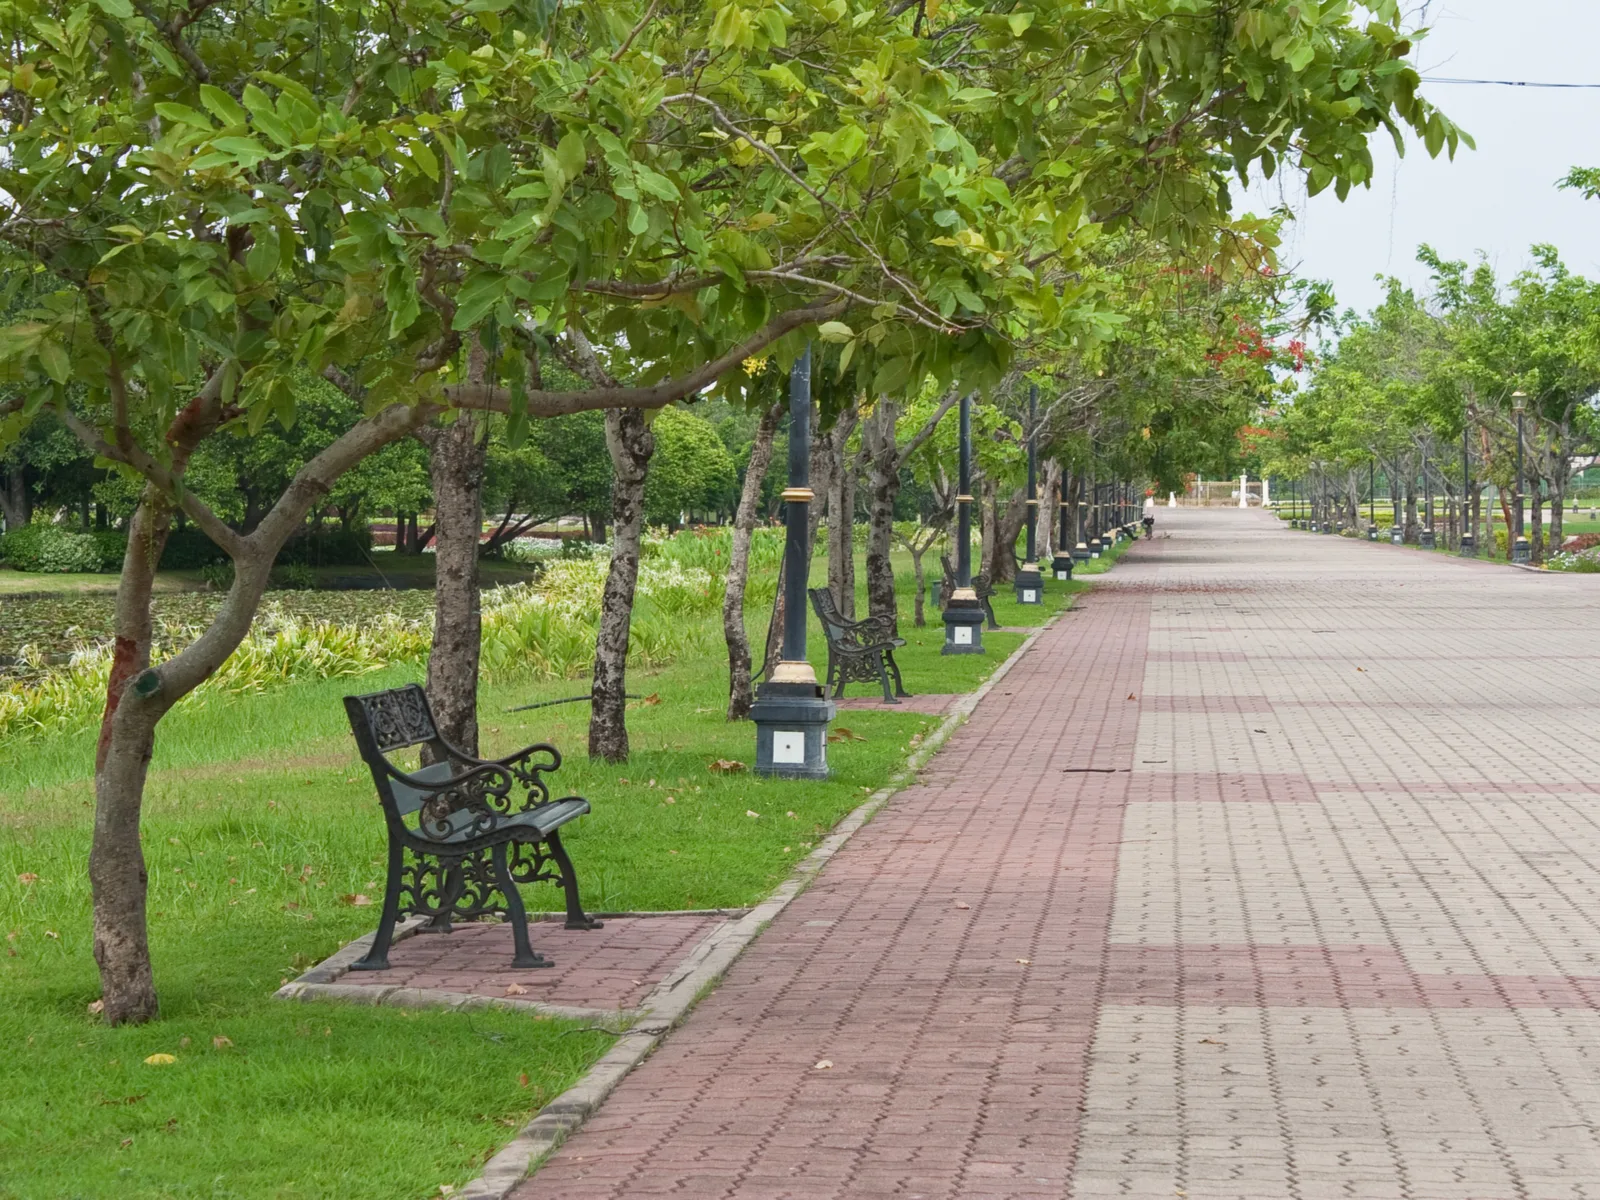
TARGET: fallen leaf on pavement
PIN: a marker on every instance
(825, 1065)
(962, 904)
(1025, 961)
(516, 989)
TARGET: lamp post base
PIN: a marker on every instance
(1061, 565)
(963, 627)
(1080, 553)
(1094, 547)
(1030, 584)
(792, 730)
(1397, 536)
(1372, 533)
(1520, 550)
(1426, 539)
(1469, 546)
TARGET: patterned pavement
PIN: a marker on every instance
(1270, 872)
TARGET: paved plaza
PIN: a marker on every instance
(1270, 871)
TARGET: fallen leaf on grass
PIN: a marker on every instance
(516, 989)
(27, 877)
(160, 1060)
(221, 1043)
(653, 698)
(356, 900)
(125, 1143)
(962, 904)
(52, 934)
(825, 1065)
(183, 1043)
(97, 1006)
(750, 812)
(726, 766)
(841, 733)
(522, 1080)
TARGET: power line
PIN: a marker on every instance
(1522, 83)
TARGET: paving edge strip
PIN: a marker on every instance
(673, 998)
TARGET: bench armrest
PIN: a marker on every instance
(483, 790)
(530, 774)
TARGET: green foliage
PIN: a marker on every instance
(48, 548)
(690, 471)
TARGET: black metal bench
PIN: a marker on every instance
(980, 588)
(473, 841)
(858, 651)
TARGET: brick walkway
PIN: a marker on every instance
(1271, 873)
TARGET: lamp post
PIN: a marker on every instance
(1397, 531)
(1061, 564)
(1372, 501)
(1030, 584)
(1469, 539)
(963, 616)
(1094, 518)
(1425, 539)
(791, 711)
(1519, 544)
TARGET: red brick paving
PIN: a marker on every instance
(956, 1068)
(612, 967)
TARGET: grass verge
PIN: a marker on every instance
(261, 829)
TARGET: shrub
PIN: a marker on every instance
(188, 548)
(327, 548)
(295, 577)
(217, 576)
(48, 548)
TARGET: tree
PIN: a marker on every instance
(690, 471)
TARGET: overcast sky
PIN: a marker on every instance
(1499, 199)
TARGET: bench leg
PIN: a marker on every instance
(524, 957)
(377, 956)
(988, 611)
(894, 669)
(883, 678)
(576, 917)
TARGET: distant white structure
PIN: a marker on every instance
(1244, 491)
(1172, 500)
(1266, 492)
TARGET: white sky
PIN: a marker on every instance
(1499, 199)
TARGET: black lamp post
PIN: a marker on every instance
(963, 616)
(791, 711)
(1061, 564)
(1094, 519)
(1030, 584)
(1425, 539)
(1519, 546)
(1469, 539)
(1397, 531)
(1372, 501)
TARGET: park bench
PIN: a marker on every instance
(858, 651)
(980, 587)
(464, 832)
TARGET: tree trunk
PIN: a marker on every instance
(918, 617)
(16, 505)
(1008, 527)
(1050, 511)
(1410, 534)
(631, 444)
(117, 876)
(1536, 522)
(740, 693)
(1558, 501)
(883, 488)
(988, 532)
(841, 516)
(456, 457)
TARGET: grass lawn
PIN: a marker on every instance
(259, 820)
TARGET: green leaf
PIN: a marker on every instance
(120, 9)
(572, 154)
(425, 158)
(182, 114)
(55, 361)
(221, 105)
(835, 331)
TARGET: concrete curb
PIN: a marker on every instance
(673, 998)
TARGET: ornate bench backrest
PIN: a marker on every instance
(834, 627)
(397, 720)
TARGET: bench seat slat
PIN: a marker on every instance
(546, 818)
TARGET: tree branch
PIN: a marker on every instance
(555, 404)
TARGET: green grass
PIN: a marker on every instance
(259, 820)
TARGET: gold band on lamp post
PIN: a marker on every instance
(797, 495)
